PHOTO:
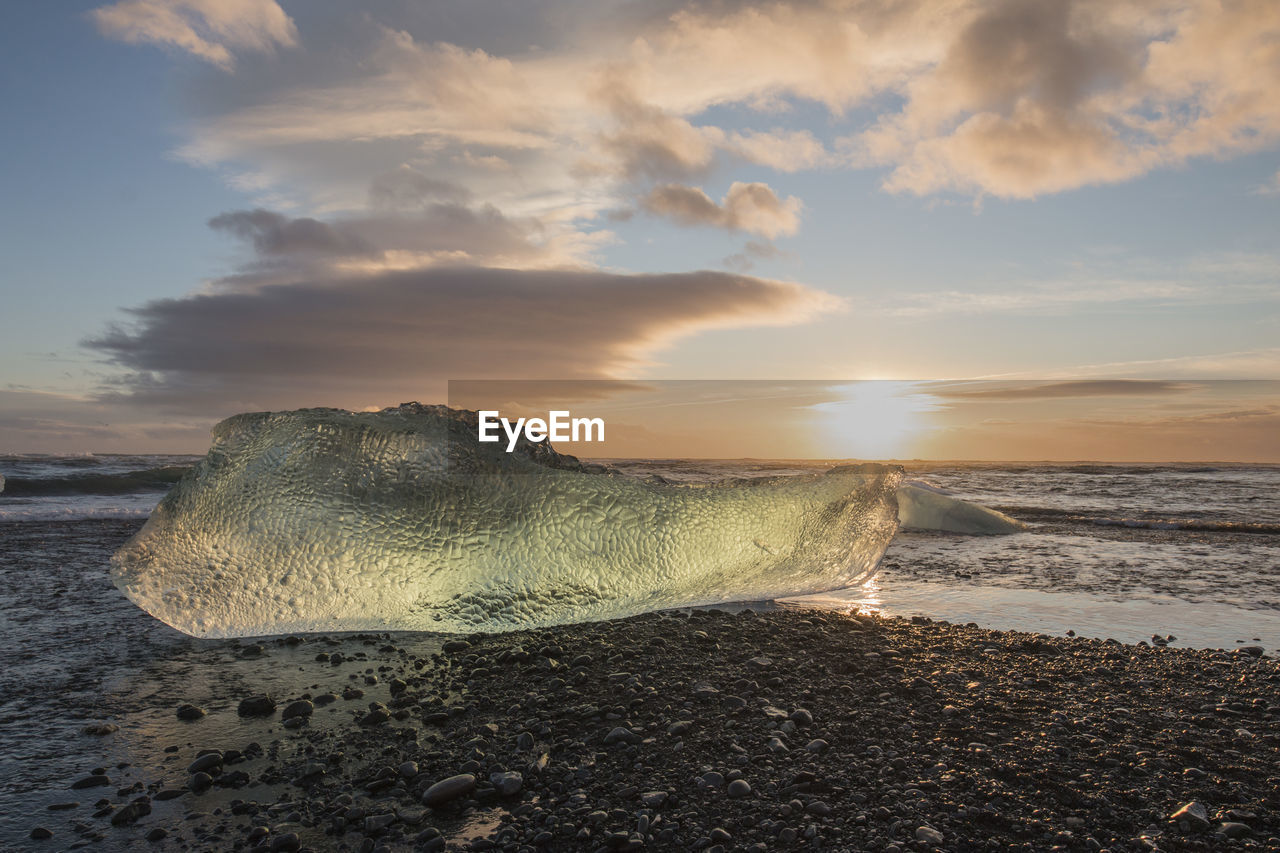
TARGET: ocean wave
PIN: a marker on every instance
(1111, 470)
(74, 512)
(1188, 524)
(130, 482)
(1209, 525)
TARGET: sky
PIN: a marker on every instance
(216, 206)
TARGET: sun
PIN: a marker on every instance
(874, 419)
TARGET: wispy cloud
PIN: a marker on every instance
(44, 422)
(1219, 279)
(1059, 390)
(212, 30)
(1271, 187)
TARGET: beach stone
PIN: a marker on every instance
(817, 745)
(199, 782)
(739, 788)
(929, 835)
(1251, 651)
(378, 714)
(449, 789)
(621, 734)
(1194, 814)
(1231, 829)
(408, 769)
(801, 717)
(157, 834)
(205, 763)
(96, 780)
(310, 773)
(131, 813)
(300, 708)
(653, 799)
(188, 711)
(286, 843)
(41, 834)
(712, 779)
(705, 691)
(374, 824)
(507, 783)
(260, 705)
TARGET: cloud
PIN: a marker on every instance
(1033, 98)
(44, 422)
(752, 251)
(1014, 98)
(652, 143)
(1231, 278)
(1057, 390)
(752, 207)
(274, 234)
(1256, 363)
(1270, 187)
(291, 249)
(783, 150)
(363, 341)
(209, 29)
(406, 188)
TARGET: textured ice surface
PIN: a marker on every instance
(925, 508)
(322, 520)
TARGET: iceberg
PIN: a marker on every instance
(329, 520)
(925, 507)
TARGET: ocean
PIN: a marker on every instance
(1187, 555)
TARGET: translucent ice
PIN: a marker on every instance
(925, 508)
(323, 520)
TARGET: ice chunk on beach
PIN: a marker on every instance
(924, 507)
(327, 520)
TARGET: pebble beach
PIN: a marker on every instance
(706, 730)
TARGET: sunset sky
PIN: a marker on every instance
(213, 206)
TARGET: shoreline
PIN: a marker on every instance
(849, 732)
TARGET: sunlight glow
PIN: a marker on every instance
(875, 419)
